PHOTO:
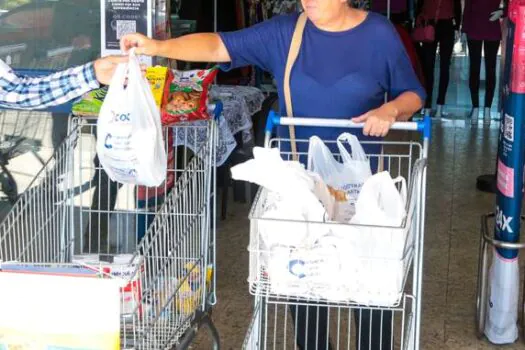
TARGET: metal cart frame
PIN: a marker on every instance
(174, 265)
(275, 310)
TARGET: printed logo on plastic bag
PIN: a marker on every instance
(129, 136)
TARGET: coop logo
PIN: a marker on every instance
(107, 142)
(120, 117)
(503, 222)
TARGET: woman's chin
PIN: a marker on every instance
(312, 14)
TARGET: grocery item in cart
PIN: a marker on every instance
(294, 194)
(345, 177)
(157, 77)
(129, 136)
(90, 103)
(380, 211)
(186, 95)
(190, 291)
(122, 266)
(364, 262)
(301, 271)
(185, 290)
(58, 312)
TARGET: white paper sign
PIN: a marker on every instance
(47, 312)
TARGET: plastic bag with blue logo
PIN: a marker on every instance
(129, 134)
(345, 178)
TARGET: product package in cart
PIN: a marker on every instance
(346, 176)
(309, 234)
(129, 136)
(123, 267)
(186, 95)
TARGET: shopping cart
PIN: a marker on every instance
(21, 132)
(170, 291)
(378, 302)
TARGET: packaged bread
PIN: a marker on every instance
(186, 95)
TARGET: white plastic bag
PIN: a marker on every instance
(347, 176)
(381, 203)
(129, 134)
(295, 199)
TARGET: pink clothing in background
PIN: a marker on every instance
(446, 10)
(396, 6)
(476, 23)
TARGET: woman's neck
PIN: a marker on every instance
(345, 20)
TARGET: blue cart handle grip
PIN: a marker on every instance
(274, 119)
(216, 109)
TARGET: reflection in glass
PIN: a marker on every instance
(49, 34)
(176, 5)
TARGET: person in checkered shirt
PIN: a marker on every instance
(18, 92)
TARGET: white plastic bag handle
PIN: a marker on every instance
(317, 150)
(358, 153)
(117, 81)
(403, 189)
(134, 71)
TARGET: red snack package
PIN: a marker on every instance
(186, 95)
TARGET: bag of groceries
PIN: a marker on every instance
(129, 135)
(345, 178)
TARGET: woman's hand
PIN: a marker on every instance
(142, 44)
(105, 67)
(378, 121)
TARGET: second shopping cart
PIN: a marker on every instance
(73, 216)
(373, 304)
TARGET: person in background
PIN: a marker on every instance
(349, 60)
(445, 15)
(398, 10)
(18, 92)
(482, 27)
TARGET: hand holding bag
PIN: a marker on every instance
(129, 135)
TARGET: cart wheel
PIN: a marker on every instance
(9, 187)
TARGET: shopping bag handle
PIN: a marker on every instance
(274, 119)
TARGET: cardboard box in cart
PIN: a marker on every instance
(40, 311)
(122, 268)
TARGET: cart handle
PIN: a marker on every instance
(424, 127)
(217, 108)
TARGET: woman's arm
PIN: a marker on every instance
(379, 121)
(201, 47)
(257, 45)
(404, 106)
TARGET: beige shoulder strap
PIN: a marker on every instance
(295, 46)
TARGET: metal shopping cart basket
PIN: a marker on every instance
(375, 302)
(21, 132)
(61, 219)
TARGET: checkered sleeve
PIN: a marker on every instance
(35, 93)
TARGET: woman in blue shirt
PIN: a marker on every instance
(349, 59)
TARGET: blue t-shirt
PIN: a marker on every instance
(336, 75)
